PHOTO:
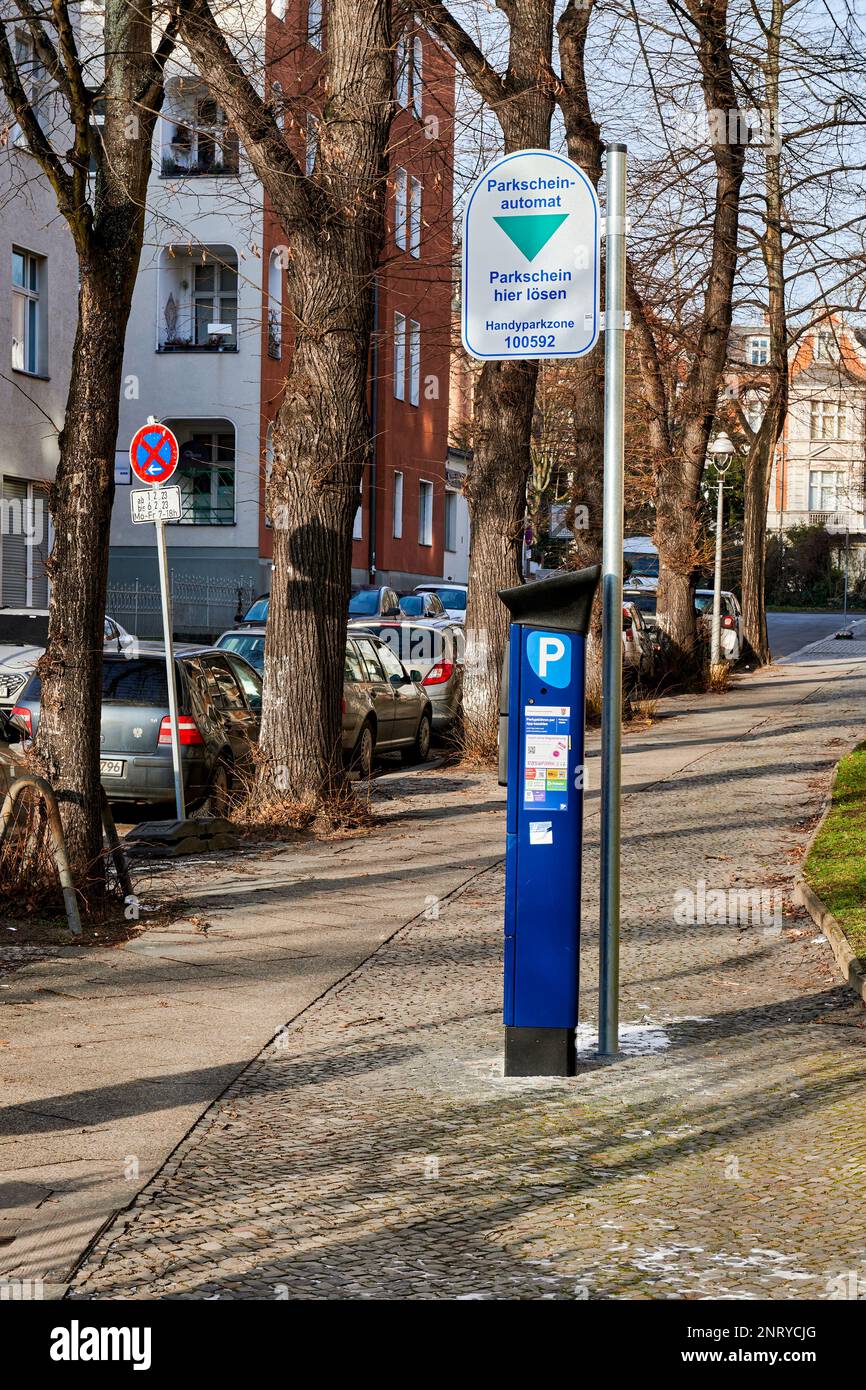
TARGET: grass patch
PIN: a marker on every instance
(835, 866)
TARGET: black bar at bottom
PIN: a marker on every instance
(540, 1052)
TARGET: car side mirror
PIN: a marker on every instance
(397, 680)
(416, 677)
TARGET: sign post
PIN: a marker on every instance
(611, 597)
(154, 455)
(531, 235)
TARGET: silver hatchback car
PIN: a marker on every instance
(385, 706)
(434, 646)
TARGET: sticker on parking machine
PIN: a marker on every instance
(545, 763)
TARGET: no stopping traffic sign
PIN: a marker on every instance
(153, 453)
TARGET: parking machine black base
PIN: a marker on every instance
(540, 1052)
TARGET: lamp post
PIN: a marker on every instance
(721, 450)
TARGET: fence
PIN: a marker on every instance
(202, 606)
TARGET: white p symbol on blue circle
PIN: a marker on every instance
(549, 655)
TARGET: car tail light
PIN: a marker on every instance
(343, 706)
(188, 731)
(22, 717)
(438, 674)
(729, 622)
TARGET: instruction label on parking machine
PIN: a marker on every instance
(545, 767)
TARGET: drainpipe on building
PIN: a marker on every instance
(374, 424)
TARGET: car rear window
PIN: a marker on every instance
(644, 603)
(259, 611)
(410, 644)
(248, 645)
(364, 603)
(451, 598)
(139, 682)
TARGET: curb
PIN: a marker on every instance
(850, 967)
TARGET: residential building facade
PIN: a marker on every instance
(38, 315)
(404, 508)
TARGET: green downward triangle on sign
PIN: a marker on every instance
(530, 234)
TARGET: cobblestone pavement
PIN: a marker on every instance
(375, 1150)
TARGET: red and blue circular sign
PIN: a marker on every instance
(153, 453)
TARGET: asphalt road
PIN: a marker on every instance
(789, 632)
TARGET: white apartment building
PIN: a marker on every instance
(193, 361)
(38, 314)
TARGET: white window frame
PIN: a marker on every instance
(415, 194)
(400, 356)
(759, 350)
(826, 346)
(30, 296)
(401, 184)
(425, 513)
(397, 506)
(217, 295)
(358, 523)
(414, 360)
(31, 75)
(403, 73)
(828, 414)
(417, 75)
(311, 150)
(831, 486)
(315, 23)
(451, 495)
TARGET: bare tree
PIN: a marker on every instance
(105, 214)
(522, 99)
(333, 220)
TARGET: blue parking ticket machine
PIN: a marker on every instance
(541, 738)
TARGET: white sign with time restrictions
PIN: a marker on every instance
(531, 259)
(155, 503)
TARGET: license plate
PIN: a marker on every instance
(111, 767)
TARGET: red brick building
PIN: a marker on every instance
(402, 525)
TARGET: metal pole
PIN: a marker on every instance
(716, 643)
(162, 555)
(845, 609)
(611, 590)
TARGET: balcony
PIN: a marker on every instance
(196, 139)
(198, 300)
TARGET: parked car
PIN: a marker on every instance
(732, 621)
(436, 648)
(385, 707)
(637, 649)
(645, 601)
(23, 637)
(423, 605)
(219, 710)
(452, 595)
(364, 603)
(642, 560)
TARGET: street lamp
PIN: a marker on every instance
(721, 450)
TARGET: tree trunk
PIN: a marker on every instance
(80, 502)
(334, 224)
(760, 462)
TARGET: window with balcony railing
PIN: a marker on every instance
(201, 144)
(199, 297)
(206, 477)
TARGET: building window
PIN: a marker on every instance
(397, 508)
(31, 75)
(822, 491)
(400, 357)
(415, 218)
(28, 273)
(314, 23)
(278, 10)
(269, 467)
(358, 528)
(215, 294)
(275, 306)
(450, 519)
(400, 185)
(758, 351)
(202, 141)
(403, 73)
(414, 362)
(425, 513)
(312, 143)
(417, 65)
(829, 420)
(826, 346)
(23, 544)
(206, 476)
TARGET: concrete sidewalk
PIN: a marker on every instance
(109, 1056)
(376, 1150)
